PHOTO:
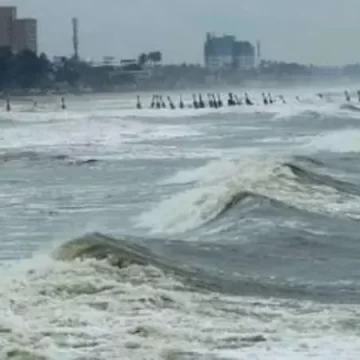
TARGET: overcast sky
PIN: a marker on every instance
(309, 31)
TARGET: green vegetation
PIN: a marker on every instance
(26, 71)
(23, 70)
(154, 58)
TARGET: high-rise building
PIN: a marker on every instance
(244, 55)
(218, 51)
(19, 34)
(7, 17)
(225, 52)
(25, 35)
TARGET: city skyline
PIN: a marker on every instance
(320, 32)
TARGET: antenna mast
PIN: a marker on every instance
(75, 38)
(258, 52)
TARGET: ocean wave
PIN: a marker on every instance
(250, 198)
(326, 113)
(10, 156)
(350, 107)
(312, 114)
(87, 307)
(127, 252)
(340, 141)
(308, 160)
(222, 185)
(303, 111)
(311, 177)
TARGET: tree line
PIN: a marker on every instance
(27, 70)
(23, 70)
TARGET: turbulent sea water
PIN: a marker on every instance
(180, 234)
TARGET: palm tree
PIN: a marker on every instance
(155, 57)
(143, 59)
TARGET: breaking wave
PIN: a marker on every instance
(222, 185)
(343, 141)
(129, 252)
(88, 306)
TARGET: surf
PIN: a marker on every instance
(296, 183)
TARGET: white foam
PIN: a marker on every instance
(85, 133)
(217, 169)
(216, 184)
(324, 348)
(294, 110)
(340, 141)
(81, 309)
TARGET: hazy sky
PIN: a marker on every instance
(309, 31)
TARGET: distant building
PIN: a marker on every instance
(19, 34)
(128, 62)
(219, 52)
(8, 12)
(25, 35)
(7, 17)
(226, 52)
(244, 55)
(109, 60)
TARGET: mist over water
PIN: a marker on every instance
(227, 233)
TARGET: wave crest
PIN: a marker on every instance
(298, 183)
(124, 253)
